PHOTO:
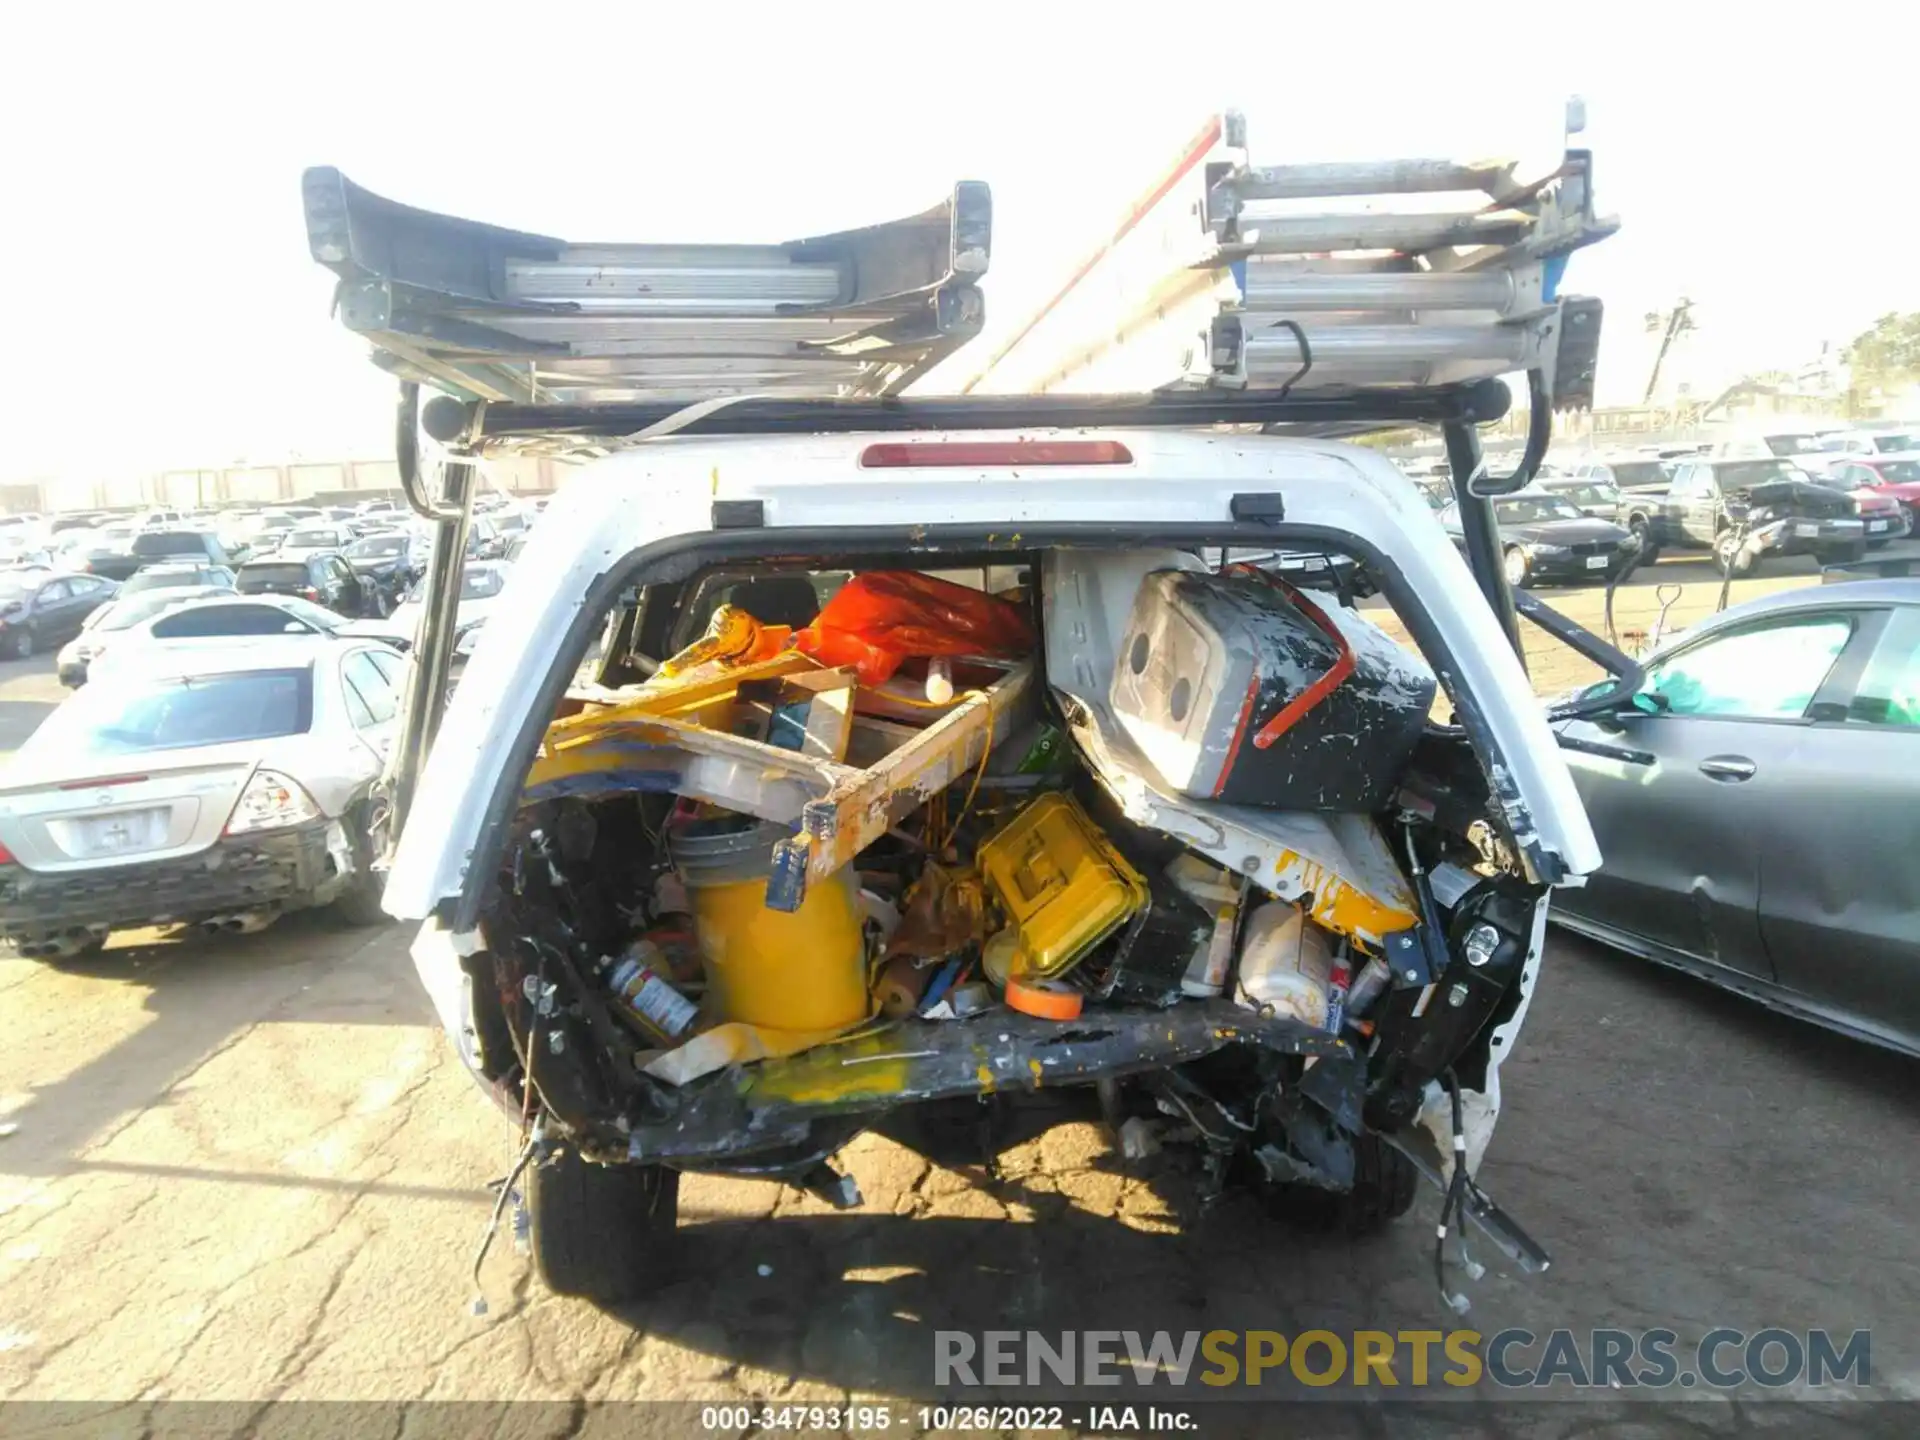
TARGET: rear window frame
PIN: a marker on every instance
(114, 695)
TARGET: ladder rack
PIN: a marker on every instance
(1229, 275)
(486, 313)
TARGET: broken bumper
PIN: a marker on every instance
(1804, 537)
(773, 1105)
(277, 870)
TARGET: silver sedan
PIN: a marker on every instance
(216, 787)
(1758, 811)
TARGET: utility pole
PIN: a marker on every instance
(1675, 322)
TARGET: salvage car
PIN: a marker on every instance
(215, 615)
(1757, 802)
(1745, 510)
(325, 579)
(1897, 478)
(107, 622)
(1593, 494)
(177, 576)
(526, 876)
(848, 756)
(390, 559)
(1883, 519)
(1544, 537)
(214, 790)
(314, 537)
(150, 547)
(481, 585)
(39, 608)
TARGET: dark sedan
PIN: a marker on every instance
(1758, 808)
(1543, 537)
(39, 608)
(326, 579)
(391, 559)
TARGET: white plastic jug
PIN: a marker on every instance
(1286, 964)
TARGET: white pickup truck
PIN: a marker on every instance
(759, 459)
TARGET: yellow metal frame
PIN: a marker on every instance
(838, 809)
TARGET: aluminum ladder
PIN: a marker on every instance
(492, 314)
(1408, 272)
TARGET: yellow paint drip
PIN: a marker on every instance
(827, 1084)
(1338, 906)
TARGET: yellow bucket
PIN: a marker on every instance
(804, 970)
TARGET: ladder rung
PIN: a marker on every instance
(1324, 234)
(1382, 177)
(644, 286)
(594, 333)
(1393, 342)
(1282, 290)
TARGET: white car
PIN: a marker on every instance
(222, 616)
(314, 537)
(480, 585)
(217, 789)
(109, 621)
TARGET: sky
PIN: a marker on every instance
(165, 313)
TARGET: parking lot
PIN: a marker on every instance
(248, 1168)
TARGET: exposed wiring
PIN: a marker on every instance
(979, 773)
(1306, 356)
(1451, 1202)
(493, 1223)
(1194, 1119)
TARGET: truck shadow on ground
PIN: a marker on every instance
(857, 1301)
(201, 992)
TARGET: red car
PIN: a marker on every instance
(1885, 475)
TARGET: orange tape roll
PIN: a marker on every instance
(1046, 999)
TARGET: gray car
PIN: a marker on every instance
(1758, 808)
(217, 786)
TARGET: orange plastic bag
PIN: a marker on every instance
(877, 620)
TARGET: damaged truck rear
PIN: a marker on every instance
(1101, 732)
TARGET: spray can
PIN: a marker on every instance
(1338, 979)
(640, 984)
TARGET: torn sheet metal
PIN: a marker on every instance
(1336, 864)
(774, 1102)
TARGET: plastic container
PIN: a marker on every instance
(1217, 891)
(1062, 884)
(1286, 964)
(1237, 687)
(781, 970)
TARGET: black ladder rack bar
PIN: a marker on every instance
(1479, 402)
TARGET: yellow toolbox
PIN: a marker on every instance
(1061, 882)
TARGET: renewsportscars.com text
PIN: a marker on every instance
(1606, 1359)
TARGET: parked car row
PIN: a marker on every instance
(248, 667)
